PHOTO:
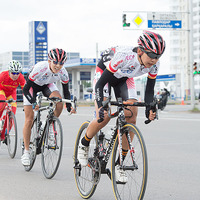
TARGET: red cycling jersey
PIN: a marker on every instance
(8, 85)
(8, 89)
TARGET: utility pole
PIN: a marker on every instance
(97, 51)
(191, 50)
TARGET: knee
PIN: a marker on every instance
(132, 120)
(28, 122)
(59, 106)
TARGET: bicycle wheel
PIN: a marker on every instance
(12, 135)
(137, 176)
(52, 147)
(32, 146)
(86, 177)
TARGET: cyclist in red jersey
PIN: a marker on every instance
(9, 81)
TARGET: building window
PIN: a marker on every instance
(15, 53)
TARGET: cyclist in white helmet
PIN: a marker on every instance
(117, 67)
(42, 78)
(9, 81)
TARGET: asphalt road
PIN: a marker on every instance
(173, 145)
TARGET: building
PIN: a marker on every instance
(21, 56)
(81, 72)
(179, 44)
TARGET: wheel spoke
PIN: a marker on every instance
(52, 148)
(86, 181)
(11, 138)
(137, 178)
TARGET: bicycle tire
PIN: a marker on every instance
(84, 177)
(137, 178)
(12, 135)
(32, 146)
(52, 149)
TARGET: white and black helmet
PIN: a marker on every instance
(15, 66)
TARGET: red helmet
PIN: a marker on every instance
(57, 55)
(152, 41)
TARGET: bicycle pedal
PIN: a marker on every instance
(5, 141)
(122, 183)
(53, 147)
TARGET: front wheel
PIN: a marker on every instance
(52, 146)
(86, 177)
(12, 135)
(135, 167)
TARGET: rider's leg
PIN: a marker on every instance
(2, 105)
(29, 116)
(91, 131)
(127, 90)
(13, 104)
(94, 127)
(59, 105)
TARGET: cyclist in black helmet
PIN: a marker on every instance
(42, 78)
(117, 67)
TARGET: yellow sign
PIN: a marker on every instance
(138, 20)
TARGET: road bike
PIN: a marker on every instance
(134, 164)
(8, 133)
(47, 137)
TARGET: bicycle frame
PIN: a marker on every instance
(8, 110)
(50, 115)
(118, 131)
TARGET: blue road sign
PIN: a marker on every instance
(166, 77)
(164, 24)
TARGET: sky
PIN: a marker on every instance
(76, 25)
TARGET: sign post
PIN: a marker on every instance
(164, 20)
(152, 20)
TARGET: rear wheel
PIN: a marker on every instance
(136, 173)
(52, 147)
(11, 137)
(86, 177)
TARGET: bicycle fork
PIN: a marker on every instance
(130, 148)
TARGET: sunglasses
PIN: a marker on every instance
(151, 54)
(56, 62)
(15, 73)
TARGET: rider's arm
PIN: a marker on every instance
(22, 81)
(26, 92)
(66, 94)
(149, 92)
(105, 78)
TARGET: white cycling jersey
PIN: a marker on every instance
(123, 62)
(42, 75)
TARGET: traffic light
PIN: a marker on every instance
(196, 71)
(124, 21)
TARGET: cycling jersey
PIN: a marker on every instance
(123, 62)
(42, 75)
(120, 65)
(8, 89)
(8, 85)
(41, 78)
